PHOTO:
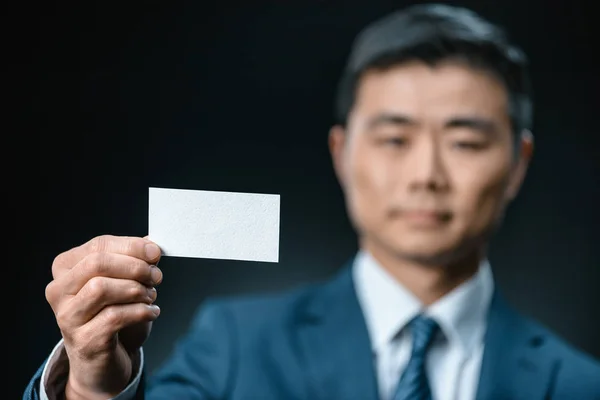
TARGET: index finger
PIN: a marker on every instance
(141, 248)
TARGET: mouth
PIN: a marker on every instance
(425, 217)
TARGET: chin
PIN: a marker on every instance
(429, 259)
(436, 251)
(427, 252)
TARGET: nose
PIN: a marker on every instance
(426, 167)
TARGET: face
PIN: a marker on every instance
(427, 161)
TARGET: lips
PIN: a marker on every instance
(425, 216)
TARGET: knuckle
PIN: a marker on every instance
(133, 246)
(113, 315)
(99, 243)
(96, 287)
(50, 292)
(95, 244)
(58, 260)
(140, 271)
(140, 312)
(94, 262)
(137, 292)
(62, 319)
(58, 264)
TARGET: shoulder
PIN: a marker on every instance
(575, 365)
(571, 356)
(262, 310)
(577, 371)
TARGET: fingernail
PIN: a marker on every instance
(155, 309)
(155, 274)
(152, 251)
(152, 293)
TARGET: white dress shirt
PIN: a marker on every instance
(454, 359)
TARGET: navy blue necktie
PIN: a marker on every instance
(413, 384)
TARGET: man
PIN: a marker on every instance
(432, 144)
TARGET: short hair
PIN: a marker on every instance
(432, 33)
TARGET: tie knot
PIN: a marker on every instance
(423, 330)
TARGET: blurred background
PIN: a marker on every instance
(238, 96)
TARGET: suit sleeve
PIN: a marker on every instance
(49, 380)
(578, 377)
(202, 364)
(200, 368)
(31, 391)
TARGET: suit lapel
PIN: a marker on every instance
(514, 364)
(334, 344)
(335, 351)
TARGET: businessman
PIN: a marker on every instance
(432, 143)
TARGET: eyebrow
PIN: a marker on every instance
(390, 119)
(479, 124)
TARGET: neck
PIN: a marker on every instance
(428, 281)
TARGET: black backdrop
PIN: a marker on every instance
(238, 97)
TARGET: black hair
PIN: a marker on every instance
(432, 33)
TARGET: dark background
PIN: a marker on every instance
(238, 97)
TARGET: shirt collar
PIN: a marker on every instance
(388, 306)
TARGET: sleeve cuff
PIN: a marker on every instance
(56, 367)
(56, 370)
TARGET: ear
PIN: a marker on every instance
(337, 143)
(523, 156)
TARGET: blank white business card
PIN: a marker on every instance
(213, 224)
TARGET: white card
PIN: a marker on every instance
(217, 225)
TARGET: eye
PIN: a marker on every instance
(392, 141)
(396, 141)
(469, 145)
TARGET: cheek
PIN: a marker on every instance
(369, 183)
(370, 178)
(482, 193)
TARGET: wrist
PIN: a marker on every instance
(73, 391)
(76, 389)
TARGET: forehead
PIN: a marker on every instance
(417, 88)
